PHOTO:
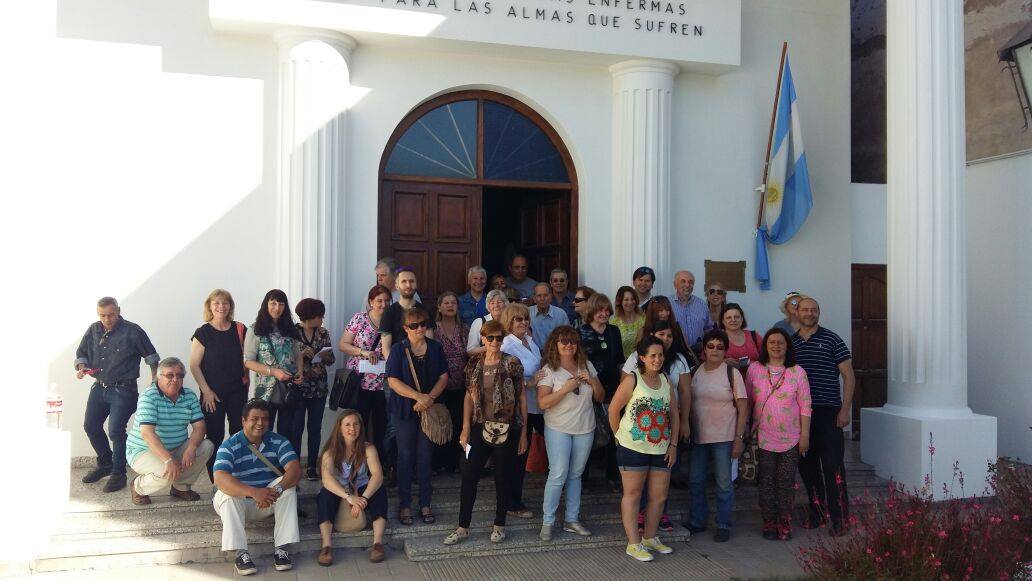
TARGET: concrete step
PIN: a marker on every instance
(525, 541)
(166, 516)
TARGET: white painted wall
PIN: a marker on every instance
(868, 218)
(719, 140)
(999, 302)
(145, 143)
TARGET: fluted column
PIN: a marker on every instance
(642, 92)
(927, 304)
(314, 92)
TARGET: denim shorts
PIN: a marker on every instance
(633, 461)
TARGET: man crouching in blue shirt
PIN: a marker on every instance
(256, 472)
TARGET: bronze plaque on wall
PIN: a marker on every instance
(729, 274)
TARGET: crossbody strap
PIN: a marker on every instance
(260, 456)
(763, 406)
(412, 368)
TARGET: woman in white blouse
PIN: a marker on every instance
(496, 303)
(566, 392)
(515, 320)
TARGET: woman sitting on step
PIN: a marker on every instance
(351, 472)
(494, 425)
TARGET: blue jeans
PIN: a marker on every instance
(116, 405)
(415, 452)
(313, 407)
(567, 456)
(720, 454)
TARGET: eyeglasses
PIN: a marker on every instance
(716, 346)
(493, 338)
(717, 291)
(414, 326)
(579, 300)
(794, 302)
(174, 376)
(567, 341)
(518, 319)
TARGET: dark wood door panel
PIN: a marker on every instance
(870, 337)
(433, 228)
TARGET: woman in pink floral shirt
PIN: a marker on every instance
(361, 341)
(781, 424)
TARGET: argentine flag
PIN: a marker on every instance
(787, 197)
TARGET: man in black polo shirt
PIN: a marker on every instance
(824, 356)
(110, 352)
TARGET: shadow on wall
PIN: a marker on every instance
(198, 137)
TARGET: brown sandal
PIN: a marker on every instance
(406, 519)
(428, 516)
(325, 558)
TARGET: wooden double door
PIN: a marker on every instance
(440, 230)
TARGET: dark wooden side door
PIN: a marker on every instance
(870, 338)
(433, 228)
(545, 231)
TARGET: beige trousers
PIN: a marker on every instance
(236, 511)
(152, 469)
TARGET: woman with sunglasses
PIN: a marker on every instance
(647, 436)
(417, 372)
(790, 308)
(494, 396)
(580, 303)
(719, 411)
(518, 343)
(716, 296)
(567, 391)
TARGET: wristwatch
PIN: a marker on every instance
(278, 489)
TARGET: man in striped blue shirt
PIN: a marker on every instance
(690, 311)
(256, 472)
(824, 357)
(160, 448)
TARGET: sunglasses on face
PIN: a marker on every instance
(794, 303)
(715, 346)
(493, 338)
(579, 300)
(567, 341)
(173, 376)
(717, 291)
(414, 326)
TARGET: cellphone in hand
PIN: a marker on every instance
(743, 360)
(90, 371)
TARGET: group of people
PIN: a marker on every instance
(641, 387)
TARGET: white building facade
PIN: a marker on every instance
(239, 144)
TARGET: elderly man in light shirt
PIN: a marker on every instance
(691, 312)
(544, 316)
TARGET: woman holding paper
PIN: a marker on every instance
(494, 420)
(361, 342)
(316, 355)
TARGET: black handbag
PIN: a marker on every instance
(344, 393)
(283, 395)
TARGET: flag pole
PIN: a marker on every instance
(770, 136)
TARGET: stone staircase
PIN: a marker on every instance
(99, 531)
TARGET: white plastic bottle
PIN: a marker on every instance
(54, 408)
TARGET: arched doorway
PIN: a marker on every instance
(469, 178)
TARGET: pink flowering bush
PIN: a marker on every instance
(908, 535)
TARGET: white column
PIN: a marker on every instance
(927, 303)
(314, 91)
(642, 92)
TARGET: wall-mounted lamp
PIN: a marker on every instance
(1016, 53)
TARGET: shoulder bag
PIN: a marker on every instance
(435, 421)
(283, 395)
(246, 379)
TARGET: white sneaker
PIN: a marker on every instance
(576, 528)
